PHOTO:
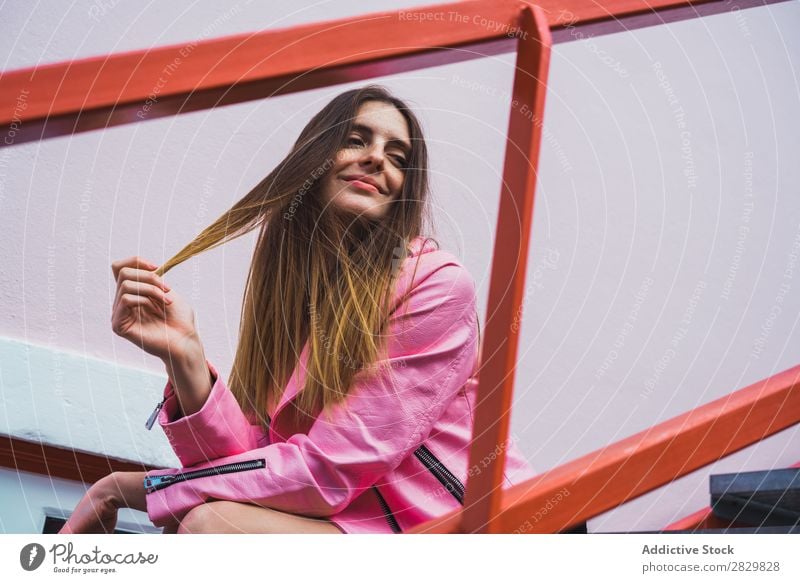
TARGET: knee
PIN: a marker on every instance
(206, 518)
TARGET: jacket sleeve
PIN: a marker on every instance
(431, 347)
(217, 430)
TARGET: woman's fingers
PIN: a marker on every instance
(157, 294)
(138, 270)
(136, 262)
(131, 302)
(131, 273)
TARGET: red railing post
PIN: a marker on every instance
(509, 266)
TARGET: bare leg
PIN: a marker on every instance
(223, 517)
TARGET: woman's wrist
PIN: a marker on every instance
(190, 376)
(185, 355)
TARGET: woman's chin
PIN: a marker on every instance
(360, 207)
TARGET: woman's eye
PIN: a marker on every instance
(399, 160)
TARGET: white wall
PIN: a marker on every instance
(85, 403)
(637, 225)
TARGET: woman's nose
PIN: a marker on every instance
(373, 155)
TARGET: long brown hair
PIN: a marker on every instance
(316, 275)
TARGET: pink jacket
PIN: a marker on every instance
(393, 455)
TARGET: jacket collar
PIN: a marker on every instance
(420, 245)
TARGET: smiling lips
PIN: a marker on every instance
(364, 183)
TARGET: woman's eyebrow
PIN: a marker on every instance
(393, 139)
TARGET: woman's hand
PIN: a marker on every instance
(97, 511)
(148, 313)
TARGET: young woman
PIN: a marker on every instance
(350, 404)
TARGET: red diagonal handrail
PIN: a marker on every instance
(581, 489)
(99, 92)
(130, 87)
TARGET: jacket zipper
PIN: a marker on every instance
(154, 483)
(438, 469)
(154, 415)
(387, 512)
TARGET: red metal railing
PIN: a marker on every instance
(99, 92)
(620, 472)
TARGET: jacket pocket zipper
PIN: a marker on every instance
(387, 512)
(438, 469)
(154, 483)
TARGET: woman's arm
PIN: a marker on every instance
(190, 377)
(158, 320)
(432, 351)
(218, 428)
(149, 314)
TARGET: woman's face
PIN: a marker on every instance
(369, 170)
